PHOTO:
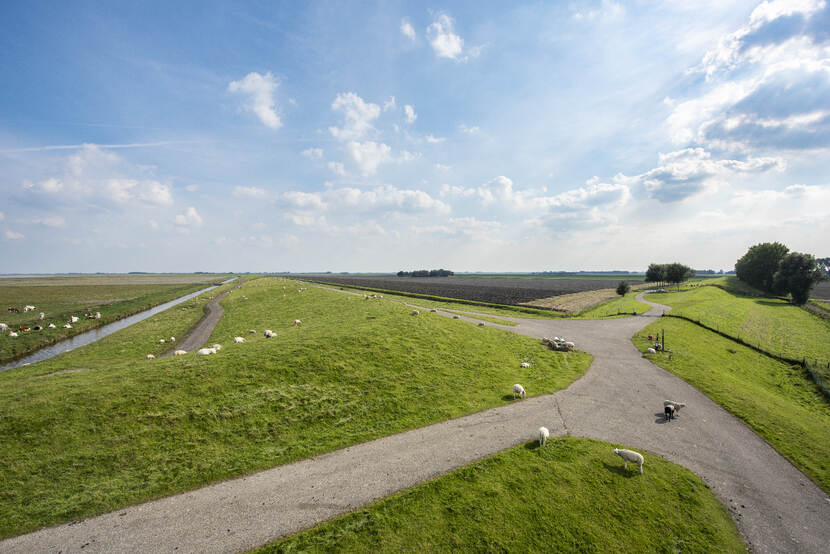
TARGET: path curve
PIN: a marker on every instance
(619, 400)
(198, 335)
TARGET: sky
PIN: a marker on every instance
(386, 136)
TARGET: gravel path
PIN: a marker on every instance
(619, 400)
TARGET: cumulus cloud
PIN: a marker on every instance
(259, 90)
(313, 153)
(606, 11)
(12, 235)
(469, 130)
(434, 140)
(190, 218)
(358, 116)
(307, 207)
(441, 35)
(767, 84)
(54, 221)
(337, 168)
(389, 104)
(411, 116)
(369, 155)
(407, 30)
(250, 192)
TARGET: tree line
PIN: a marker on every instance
(663, 274)
(773, 269)
(426, 273)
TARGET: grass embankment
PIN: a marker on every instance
(779, 401)
(620, 306)
(127, 429)
(573, 495)
(114, 296)
(770, 324)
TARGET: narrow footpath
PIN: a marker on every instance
(619, 400)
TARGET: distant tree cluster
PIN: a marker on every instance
(772, 268)
(824, 264)
(674, 273)
(426, 273)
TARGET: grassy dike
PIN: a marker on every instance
(780, 402)
(100, 427)
(573, 495)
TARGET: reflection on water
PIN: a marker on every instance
(94, 334)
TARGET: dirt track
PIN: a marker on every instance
(619, 400)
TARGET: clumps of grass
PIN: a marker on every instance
(573, 495)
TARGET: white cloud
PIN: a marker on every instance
(313, 153)
(442, 37)
(369, 155)
(155, 193)
(260, 91)
(442, 167)
(435, 140)
(337, 168)
(389, 104)
(474, 130)
(2, 217)
(54, 221)
(190, 218)
(191, 188)
(11, 235)
(407, 30)
(358, 115)
(250, 192)
(411, 116)
(607, 11)
(304, 200)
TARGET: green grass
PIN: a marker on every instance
(484, 318)
(573, 495)
(772, 325)
(623, 306)
(125, 429)
(778, 401)
(114, 296)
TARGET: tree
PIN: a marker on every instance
(656, 273)
(797, 273)
(676, 273)
(758, 266)
(623, 288)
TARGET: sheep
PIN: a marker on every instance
(29, 308)
(205, 351)
(297, 322)
(543, 436)
(525, 365)
(172, 339)
(67, 326)
(150, 357)
(42, 316)
(161, 341)
(651, 351)
(74, 319)
(269, 334)
(3, 327)
(518, 390)
(456, 317)
(180, 352)
(570, 345)
(12, 334)
(414, 312)
(217, 347)
(51, 326)
(433, 310)
(238, 340)
(669, 411)
(37, 328)
(676, 405)
(97, 315)
(630, 456)
(481, 324)
(252, 331)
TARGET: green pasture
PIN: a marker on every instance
(621, 306)
(114, 296)
(773, 325)
(101, 427)
(779, 401)
(572, 495)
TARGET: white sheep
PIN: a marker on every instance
(216, 347)
(269, 334)
(677, 405)
(172, 339)
(543, 435)
(525, 365)
(570, 345)
(3, 327)
(74, 319)
(51, 326)
(238, 340)
(518, 390)
(180, 352)
(29, 308)
(205, 351)
(161, 341)
(42, 316)
(252, 331)
(97, 315)
(415, 312)
(67, 326)
(12, 334)
(297, 322)
(630, 456)
(651, 351)
(150, 357)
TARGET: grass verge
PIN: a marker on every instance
(573, 495)
(779, 401)
(125, 429)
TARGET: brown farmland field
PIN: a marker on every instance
(513, 292)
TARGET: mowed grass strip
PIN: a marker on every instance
(779, 401)
(573, 495)
(125, 429)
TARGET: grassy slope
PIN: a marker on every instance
(573, 495)
(620, 305)
(128, 429)
(61, 298)
(778, 401)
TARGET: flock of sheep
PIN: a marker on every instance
(4, 327)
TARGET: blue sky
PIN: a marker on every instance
(362, 136)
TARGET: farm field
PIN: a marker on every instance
(507, 291)
(114, 296)
(773, 325)
(821, 291)
(101, 427)
(571, 495)
(779, 401)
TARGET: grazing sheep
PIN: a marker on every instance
(415, 312)
(24, 328)
(269, 334)
(630, 456)
(97, 315)
(180, 352)
(456, 317)
(205, 351)
(669, 411)
(543, 435)
(37, 328)
(172, 339)
(3, 327)
(481, 324)
(12, 334)
(51, 325)
(42, 316)
(150, 357)
(433, 310)
(525, 365)
(217, 347)
(29, 308)
(297, 322)
(252, 331)
(518, 390)
(161, 341)
(237, 340)
(651, 351)
(67, 326)
(74, 319)
(676, 405)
